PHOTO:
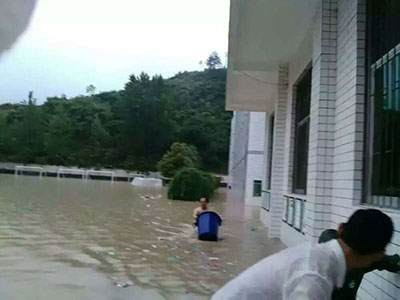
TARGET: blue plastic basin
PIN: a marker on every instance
(208, 223)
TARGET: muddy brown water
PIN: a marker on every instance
(77, 239)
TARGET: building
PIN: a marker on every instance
(246, 156)
(327, 75)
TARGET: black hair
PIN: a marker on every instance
(367, 231)
(328, 235)
(205, 198)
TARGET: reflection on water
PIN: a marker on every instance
(75, 239)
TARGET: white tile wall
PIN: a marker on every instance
(336, 137)
(247, 153)
(335, 171)
(254, 172)
(289, 140)
(291, 236)
(349, 138)
(266, 162)
(238, 150)
(274, 229)
(257, 131)
(265, 217)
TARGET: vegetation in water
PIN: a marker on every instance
(178, 157)
(191, 184)
(129, 129)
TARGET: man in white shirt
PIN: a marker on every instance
(307, 272)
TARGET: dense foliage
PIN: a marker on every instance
(128, 129)
(190, 184)
(178, 157)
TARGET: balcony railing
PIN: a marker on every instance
(293, 214)
(266, 200)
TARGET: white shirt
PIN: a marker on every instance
(304, 272)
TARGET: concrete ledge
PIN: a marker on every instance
(265, 217)
(254, 201)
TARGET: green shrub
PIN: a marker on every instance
(191, 184)
(179, 156)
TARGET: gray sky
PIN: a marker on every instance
(73, 43)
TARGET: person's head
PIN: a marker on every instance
(327, 235)
(203, 202)
(365, 237)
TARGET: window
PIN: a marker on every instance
(270, 150)
(257, 184)
(302, 123)
(382, 178)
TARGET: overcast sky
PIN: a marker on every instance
(71, 44)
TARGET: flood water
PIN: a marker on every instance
(76, 239)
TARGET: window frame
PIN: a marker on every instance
(258, 182)
(378, 59)
(304, 78)
(270, 149)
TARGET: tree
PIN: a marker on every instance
(179, 156)
(200, 116)
(59, 141)
(146, 126)
(5, 138)
(213, 61)
(28, 131)
(132, 128)
(87, 116)
(90, 89)
(190, 184)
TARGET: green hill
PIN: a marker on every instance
(129, 129)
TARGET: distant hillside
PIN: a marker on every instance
(129, 129)
(200, 96)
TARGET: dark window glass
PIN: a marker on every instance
(383, 105)
(257, 185)
(303, 100)
(383, 27)
(270, 150)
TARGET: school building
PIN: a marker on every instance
(318, 83)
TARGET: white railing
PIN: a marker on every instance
(294, 210)
(62, 171)
(100, 173)
(132, 176)
(21, 169)
(384, 201)
(266, 199)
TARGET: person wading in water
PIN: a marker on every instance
(202, 208)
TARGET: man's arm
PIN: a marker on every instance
(389, 263)
(195, 213)
(307, 287)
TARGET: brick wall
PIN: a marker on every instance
(336, 144)
(289, 140)
(277, 198)
(350, 104)
(322, 120)
(349, 139)
(266, 161)
(337, 117)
